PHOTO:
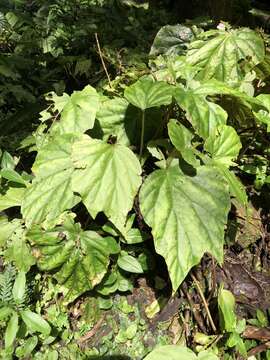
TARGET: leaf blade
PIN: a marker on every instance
(183, 233)
(113, 178)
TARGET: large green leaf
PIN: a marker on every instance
(173, 68)
(219, 53)
(187, 216)
(117, 118)
(202, 114)
(50, 192)
(147, 93)
(223, 144)
(263, 117)
(171, 40)
(179, 135)
(78, 111)
(172, 352)
(215, 87)
(107, 177)
(113, 119)
(176, 352)
(80, 257)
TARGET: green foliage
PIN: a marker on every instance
(50, 193)
(223, 55)
(80, 257)
(226, 303)
(107, 175)
(187, 216)
(147, 93)
(114, 178)
(14, 309)
(6, 280)
(171, 40)
(175, 351)
(129, 160)
(78, 111)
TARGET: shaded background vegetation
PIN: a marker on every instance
(50, 45)
(53, 46)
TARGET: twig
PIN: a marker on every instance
(194, 310)
(92, 332)
(102, 60)
(204, 303)
(213, 279)
(186, 325)
(218, 337)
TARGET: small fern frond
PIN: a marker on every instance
(7, 279)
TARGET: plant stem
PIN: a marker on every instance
(204, 303)
(142, 133)
(102, 60)
(171, 157)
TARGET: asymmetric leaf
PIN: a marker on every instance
(78, 111)
(176, 352)
(171, 40)
(215, 87)
(181, 138)
(172, 352)
(80, 257)
(113, 120)
(174, 68)
(50, 192)
(107, 177)
(219, 53)
(187, 216)
(223, 144)
(147, 93)
(179, 135)
(202, 114)
(59, 102)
